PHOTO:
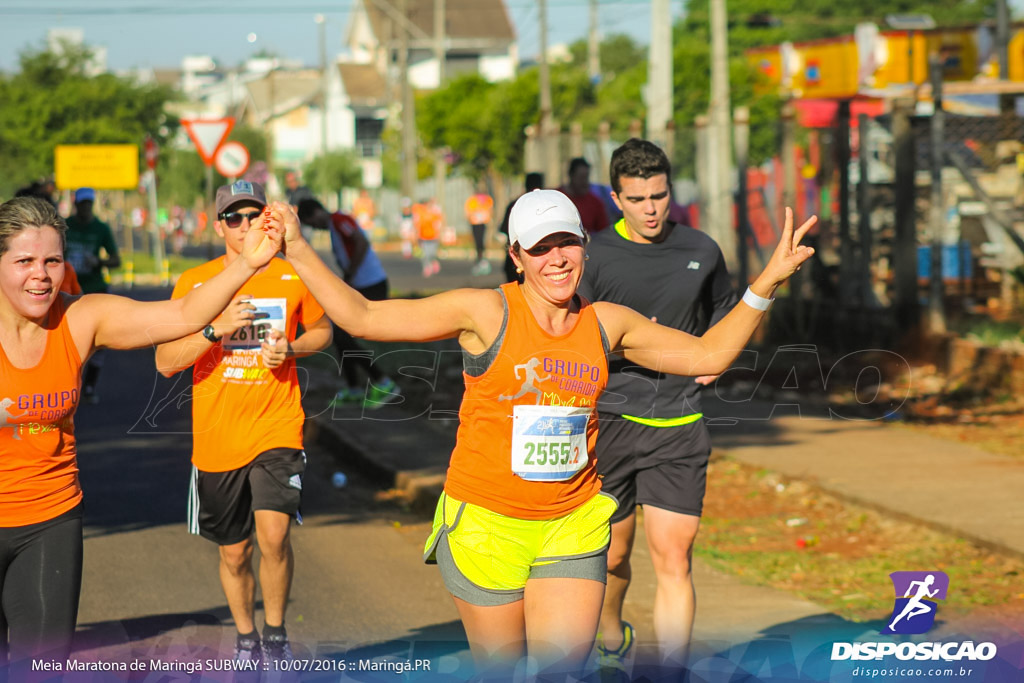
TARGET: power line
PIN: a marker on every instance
(179, 8)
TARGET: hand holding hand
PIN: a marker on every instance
(262, 241)
(284, 218)
(275, 349)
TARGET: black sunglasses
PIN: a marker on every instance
(235, 218)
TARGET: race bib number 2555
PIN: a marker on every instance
(549, 443)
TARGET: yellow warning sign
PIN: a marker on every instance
(101, 167)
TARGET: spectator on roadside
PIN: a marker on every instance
(90, 248)
(604, 193)
(295, 191)
(590, 206)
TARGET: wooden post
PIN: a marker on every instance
(906, 308)
(741, 138)
(864, 211)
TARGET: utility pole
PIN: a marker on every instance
(864, 211)
(720, 151)
(440, 54)
(439, 40)
(593, 47)
(936, 314)
(742, 136)
(408, 109)
(1003, 38)
(659, 74)
(322, 23)
(548, 138)
(904, 255)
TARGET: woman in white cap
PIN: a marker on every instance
(521, 530)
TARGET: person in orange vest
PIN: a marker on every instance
(479, 211)
(46, 337)
(365, 211)
(428, 219)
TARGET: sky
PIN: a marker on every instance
(158, 33)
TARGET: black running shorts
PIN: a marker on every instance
(221, 504)
(665, 467)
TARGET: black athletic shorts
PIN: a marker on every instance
(665, 467)
(221, 504)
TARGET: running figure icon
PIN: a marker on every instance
(530, 370)
(4, 415)
(915, 606)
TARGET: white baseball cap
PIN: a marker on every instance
(540, 213)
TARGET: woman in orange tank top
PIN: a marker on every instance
(521, 469)
(44, 336)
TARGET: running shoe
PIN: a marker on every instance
(612, 660)
(277, 648)
(382, 392)
(248, 650)
(346, 396)
(481, 267)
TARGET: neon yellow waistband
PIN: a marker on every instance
(665, 421)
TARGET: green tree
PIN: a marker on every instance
(329, 173)
(52, 100)
(617, 54)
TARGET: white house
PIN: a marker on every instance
(479, 38)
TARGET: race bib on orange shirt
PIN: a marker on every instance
(549, 443)
(270, 314)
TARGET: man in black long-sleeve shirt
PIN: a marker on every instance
(653, 445)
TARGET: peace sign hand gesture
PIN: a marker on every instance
(787, 258)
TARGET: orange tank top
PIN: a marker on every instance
(38, 470)
(531, 367)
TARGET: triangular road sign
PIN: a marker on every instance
(208, 135)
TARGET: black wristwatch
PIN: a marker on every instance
(210, 335)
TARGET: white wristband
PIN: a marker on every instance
(755, 301)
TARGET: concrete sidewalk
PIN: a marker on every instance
(953, 487)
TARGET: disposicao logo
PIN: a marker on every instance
(915, 606)
(913, 613)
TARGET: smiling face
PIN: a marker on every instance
(553, 267)
(644, 203)
(31, 271)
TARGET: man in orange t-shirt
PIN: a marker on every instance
(247, 457)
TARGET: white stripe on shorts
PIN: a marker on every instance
(192, 513)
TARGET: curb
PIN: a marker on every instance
(388, 445)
